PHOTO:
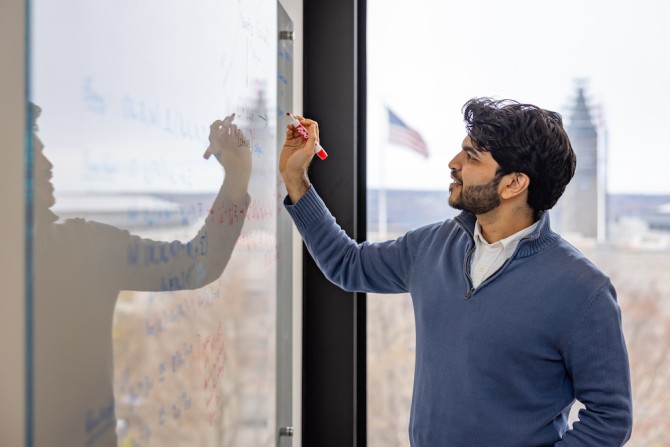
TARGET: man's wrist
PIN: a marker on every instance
(296, 187)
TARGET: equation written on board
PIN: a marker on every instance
(169, 119)
(148, 113)
(211, 357)
(149, 389)
(186, 309)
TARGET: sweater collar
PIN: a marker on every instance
(540, 238)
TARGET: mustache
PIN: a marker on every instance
(455, 176)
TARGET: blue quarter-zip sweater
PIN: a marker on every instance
(499, 365)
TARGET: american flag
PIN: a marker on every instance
(403, 135)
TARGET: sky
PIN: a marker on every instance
(427, 60)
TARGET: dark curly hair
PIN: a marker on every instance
(527, 139)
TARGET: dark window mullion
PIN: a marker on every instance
(334, 337)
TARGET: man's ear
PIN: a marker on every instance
(514, 184)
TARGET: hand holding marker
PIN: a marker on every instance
(224, 128)
(320, 152)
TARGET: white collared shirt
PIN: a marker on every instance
(488, 258)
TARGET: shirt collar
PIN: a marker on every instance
(541, 238)
(509, 243)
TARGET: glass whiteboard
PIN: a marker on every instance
(154, 268)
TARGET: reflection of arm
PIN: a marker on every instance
(176, 266)
(596, 358)
(380, 267)
(148, 265)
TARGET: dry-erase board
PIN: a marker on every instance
(153, 277)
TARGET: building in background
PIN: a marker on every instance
(582, 204)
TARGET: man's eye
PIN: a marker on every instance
(470, 157)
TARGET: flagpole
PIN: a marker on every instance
(381, 199)
(382, 217)
(401, 134)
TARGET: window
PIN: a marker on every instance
(426, 61)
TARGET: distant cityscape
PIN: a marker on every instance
(628, 218)
(628, 215)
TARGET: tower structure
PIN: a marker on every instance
(580, 202)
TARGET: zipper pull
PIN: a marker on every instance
(469, 294)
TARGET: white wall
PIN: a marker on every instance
(12, 125)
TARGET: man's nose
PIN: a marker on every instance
(455, 164)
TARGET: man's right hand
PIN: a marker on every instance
(295, 157)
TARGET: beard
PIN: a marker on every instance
(477, 199)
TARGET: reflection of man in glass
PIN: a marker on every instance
(80, 267)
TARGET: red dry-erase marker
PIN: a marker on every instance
(320, 152)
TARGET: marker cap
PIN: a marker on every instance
(320, 152)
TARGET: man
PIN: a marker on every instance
(512, 323)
